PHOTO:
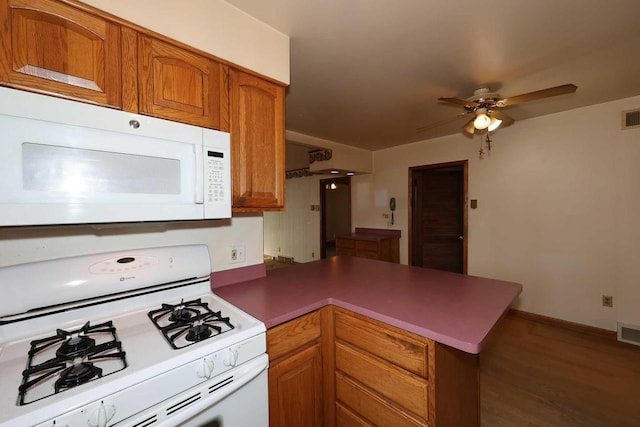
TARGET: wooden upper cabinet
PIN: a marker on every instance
(177, 84)
(257, 143)
(50, 47)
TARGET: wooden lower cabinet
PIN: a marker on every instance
(334, 367)
(296, 392)
(297, 380)
(382, 373)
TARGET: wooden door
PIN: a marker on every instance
(179, 85)
(53, 48)
(257, 143)
(438, 216)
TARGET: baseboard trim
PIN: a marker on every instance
(578, 327)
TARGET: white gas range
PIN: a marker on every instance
(130, 338)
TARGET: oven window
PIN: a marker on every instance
(78, 170)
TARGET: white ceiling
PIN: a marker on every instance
(368, 73)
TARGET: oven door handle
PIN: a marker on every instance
(242, 375)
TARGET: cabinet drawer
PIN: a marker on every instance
(287, 337)
(343, 251)
(369, 406)
(366, 246)
(395, 384)
(345, 243)
(346, 418)
(391, 344)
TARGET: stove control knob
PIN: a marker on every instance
(205, 370)
(232, 358)
(102, 415)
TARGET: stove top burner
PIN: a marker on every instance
(77, 374)
(189, 322)
(198, 333)
(76, 361)
(182, 314)
(74, 346)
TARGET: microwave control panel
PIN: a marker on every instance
(215, 191)
(217, 179)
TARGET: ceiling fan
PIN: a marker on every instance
(484, 108)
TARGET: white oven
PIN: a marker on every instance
(66, 162)
(132, 338)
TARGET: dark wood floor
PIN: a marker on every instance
(535, 374)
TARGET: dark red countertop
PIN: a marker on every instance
(453, 309)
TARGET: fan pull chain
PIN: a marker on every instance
(487, 141)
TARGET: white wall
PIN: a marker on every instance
(557, 209)
(27, 244)
(295, 232)
(215, 27)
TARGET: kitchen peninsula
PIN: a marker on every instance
(356, 341)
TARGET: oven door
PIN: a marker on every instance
(237, 398)
(246, 407)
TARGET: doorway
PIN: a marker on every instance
(438, 216)
(335, 203)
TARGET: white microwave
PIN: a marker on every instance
(66, 162)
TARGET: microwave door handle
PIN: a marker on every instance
(199, 151)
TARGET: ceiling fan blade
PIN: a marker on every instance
(459, 101)
(443, 122)
(539, 94)
(506, 119)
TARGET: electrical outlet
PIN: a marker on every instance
(607, 301)
(236, 254)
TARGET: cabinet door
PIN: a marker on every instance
(51, 47)
(179, 85)
(257, 143)
(295, 389)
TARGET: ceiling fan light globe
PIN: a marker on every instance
(495, 124)
(482, 121)
(469, 128)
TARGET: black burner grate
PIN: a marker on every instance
(76, 361)
(189, 322)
